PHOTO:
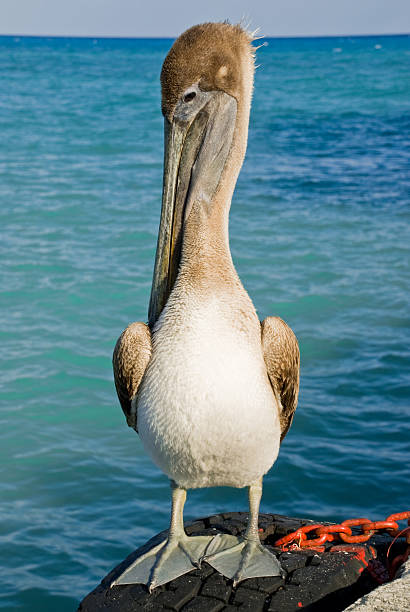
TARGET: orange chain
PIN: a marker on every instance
(343, 532)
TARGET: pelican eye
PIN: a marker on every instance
(189, 96)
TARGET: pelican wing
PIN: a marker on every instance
(130, 359)
(282, 358)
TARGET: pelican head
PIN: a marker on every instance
(207, 81)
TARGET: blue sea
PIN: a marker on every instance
(320, 235)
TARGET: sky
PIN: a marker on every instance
(168, 18)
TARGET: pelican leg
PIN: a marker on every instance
(241, 558)
(173, 557)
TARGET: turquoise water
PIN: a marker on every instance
(320, 235)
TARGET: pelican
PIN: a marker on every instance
(210, 390)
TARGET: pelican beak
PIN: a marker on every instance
(195, 151)
(169, 235)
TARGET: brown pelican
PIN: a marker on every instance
(210, 390)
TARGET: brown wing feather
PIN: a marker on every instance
(282, 358)
(130, 359)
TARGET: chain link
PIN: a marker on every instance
(328, 533)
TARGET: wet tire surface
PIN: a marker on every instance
(314, 581)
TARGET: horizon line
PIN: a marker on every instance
(275, 36)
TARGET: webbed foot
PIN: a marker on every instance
(166, 561)
(241, 558)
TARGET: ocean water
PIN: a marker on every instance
(320, 235)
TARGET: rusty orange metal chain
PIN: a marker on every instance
(343, 531)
